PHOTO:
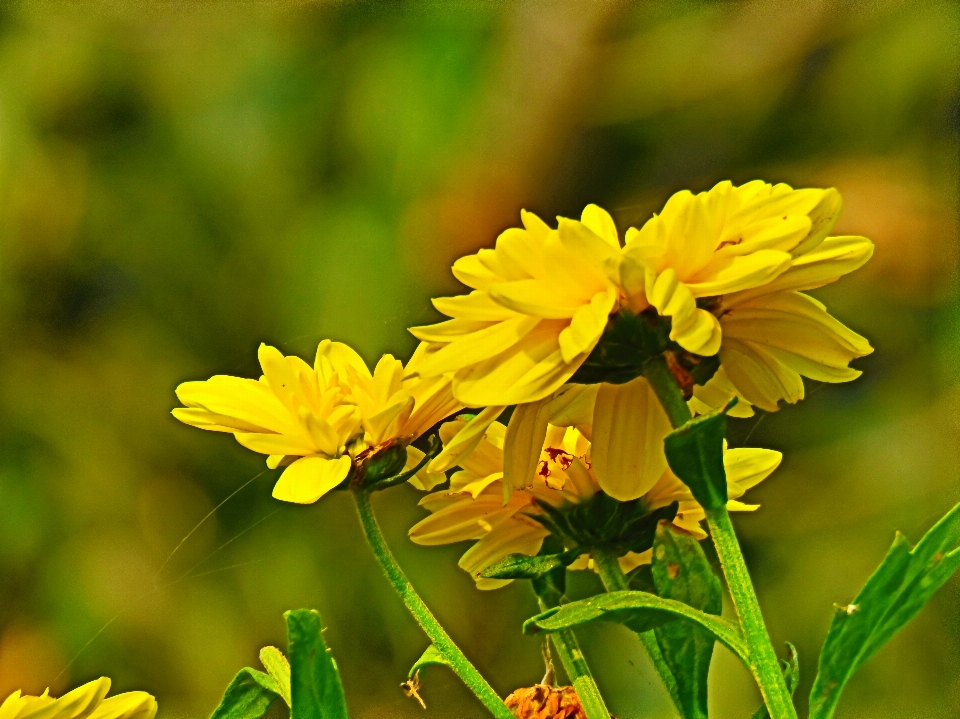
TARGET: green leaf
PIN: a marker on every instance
(432, 655)
(278, 668)
(315, 688)
(551, 587)
(892, 596)
(791, 673)
(681, 572)
(522, 566)
(695, 454)
(249, 696)
(633, 608)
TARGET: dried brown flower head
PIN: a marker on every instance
(545, 702)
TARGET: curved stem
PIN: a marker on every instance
(568, 648)
(608, 566)
(441, 640)
(763, 657)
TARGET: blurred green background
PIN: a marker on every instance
(180, 181)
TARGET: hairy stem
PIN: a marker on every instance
(763, 658)
(568, 648)
(608, 566)
(441, 640)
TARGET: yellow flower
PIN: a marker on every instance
(774, 335)
(727, 266)
(539, 304)
(84, 702)
(473, 509)
(314, 420)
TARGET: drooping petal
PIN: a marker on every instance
(519, 536)
(522, 444)
(424, 480)
(629, 426)
(746, 467)
(309, 478)
(759, 376)
(467, 519)
(475, 306)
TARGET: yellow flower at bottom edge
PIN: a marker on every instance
(84, 702)
(295, 413)
(473, 508)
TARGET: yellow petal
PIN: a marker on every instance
(339, 358)
(279, 376)
(477, 306)
(740, 273)
(759, 376)
(130, 705)
(573, 404)
(520, 536)
(823, 217)
(629, 427)
(599, 221)
(467, 519)
(528, 371)
(77, 704)
(424, 480)
(309, 478)
(466, 439)
(587, 325)
(831, 260)
(522, 445)
(746, 467)
(478, 346)
(537, 298)
(276, 443)
(248, 401)
(448, 331)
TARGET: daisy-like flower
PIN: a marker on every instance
(316, 421)
(296, 414)
(539, 304)
(85, 702)
(727, 266)
(473, 509)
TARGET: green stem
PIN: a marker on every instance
(575, 664)
(763, 657)
(664, 385)
(608, 566)
(441, 640)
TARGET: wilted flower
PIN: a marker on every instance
(84, 702)
(473, 509)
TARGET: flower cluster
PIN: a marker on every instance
(562, 323)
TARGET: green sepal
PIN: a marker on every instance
(892, 596)
(433, 449)
(605, 522)
(695, 454)
(278, 668)
(522, 566)
(315, 688)
(377, 464)
(431, 655)
(625, 344)
(682, 572)
(248, 696)
(631, 608)
(791, 674)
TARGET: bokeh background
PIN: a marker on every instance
(180, 181)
